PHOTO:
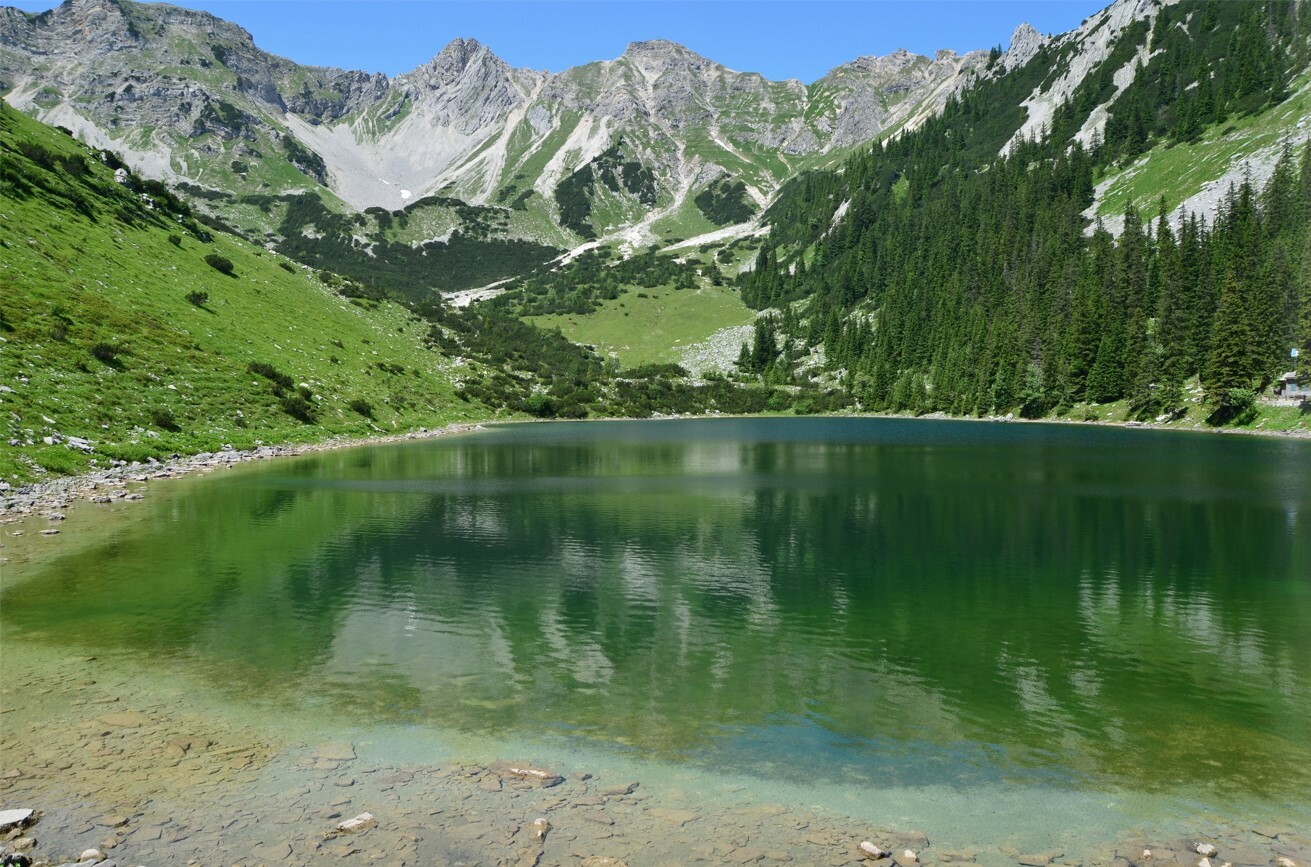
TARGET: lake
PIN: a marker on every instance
(987, 632)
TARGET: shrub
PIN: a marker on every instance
(361, 406)
(220, 263)
(279, 379)
(288, 267)
(298, 406)
(162, 418)
(197, 297)
(175, 240)
(105, 352)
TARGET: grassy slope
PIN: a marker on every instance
(1180, 171)
(69, 282)
(638, 330)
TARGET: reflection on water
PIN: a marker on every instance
(912, 603)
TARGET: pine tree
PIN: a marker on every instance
(1233, 363)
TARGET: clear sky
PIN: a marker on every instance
(777, 38)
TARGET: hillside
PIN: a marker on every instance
(932, 274)
(120, 341)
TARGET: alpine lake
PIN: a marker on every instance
(985, 643)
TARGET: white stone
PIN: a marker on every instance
(540, 827)
(1206, 850)
(11, 818)
(1285, 861)
(1205, 862)
(1147, 854)
(91, 855)
(909, 857)
(872, 852)
(362, 822)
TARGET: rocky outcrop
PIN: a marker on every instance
(1025, 44)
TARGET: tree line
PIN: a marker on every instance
(966, 283)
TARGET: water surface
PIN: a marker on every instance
(843, 605)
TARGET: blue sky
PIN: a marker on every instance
(777, 38)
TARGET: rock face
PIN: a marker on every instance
(186, 96)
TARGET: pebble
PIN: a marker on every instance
(91, 855)
(1206, 850)
(909, 857)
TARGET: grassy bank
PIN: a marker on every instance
(129, 331)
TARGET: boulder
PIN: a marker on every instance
(15, 818)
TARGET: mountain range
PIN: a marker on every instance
(622, 145)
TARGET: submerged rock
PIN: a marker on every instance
(541, 778)
(872, 852)
(362, 822)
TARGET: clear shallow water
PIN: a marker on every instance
(1065, 615)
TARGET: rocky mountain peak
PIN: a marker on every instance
(1025, 43)
(660, 55)
(460, 60)
(458, 53)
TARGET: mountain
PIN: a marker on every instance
(959, 268)
(629, 145)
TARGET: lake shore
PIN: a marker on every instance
(50, 496)
(143, 772)
(118, 482)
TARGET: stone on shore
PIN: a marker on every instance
(15, 818)
(909, 857)
(1206, 850)
(91, 855)
(540, 827)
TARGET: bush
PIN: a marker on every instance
(279, 379)
(361, 406)
(162, 418)
(220, 263)
(197, 297)
(299, 407)
(288, 267)
(175, 240)
(105, 352)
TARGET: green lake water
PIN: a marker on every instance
(1065, 615)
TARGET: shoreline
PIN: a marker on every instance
(108, 484)
(33, 498)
